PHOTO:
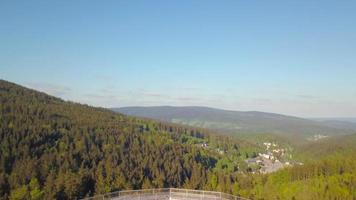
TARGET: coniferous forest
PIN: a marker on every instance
(55, 149)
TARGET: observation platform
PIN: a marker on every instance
(166, 194)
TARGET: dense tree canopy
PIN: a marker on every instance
(53, 149)
(56, 149)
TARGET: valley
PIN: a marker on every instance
(178, 100)
(54, 149)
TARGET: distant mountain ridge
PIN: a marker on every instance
(236, 121)
(340, 119)
(346, 123)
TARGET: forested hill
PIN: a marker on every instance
(53, 149)
(236, 121)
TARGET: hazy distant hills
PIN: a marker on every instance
(340, 119)
(345, 123)
(239, 122)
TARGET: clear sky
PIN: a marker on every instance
(289, 57)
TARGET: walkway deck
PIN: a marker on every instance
(166, 194)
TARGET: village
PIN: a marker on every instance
(275, 158)
(272, 159)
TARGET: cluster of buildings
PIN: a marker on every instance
(317, 137)
(270, 161)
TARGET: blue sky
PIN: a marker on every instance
(290, 57)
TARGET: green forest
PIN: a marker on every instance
(55, 149)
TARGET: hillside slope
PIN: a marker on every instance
(234, 121)
(328, 172)
(343, 145)
(53, 149)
